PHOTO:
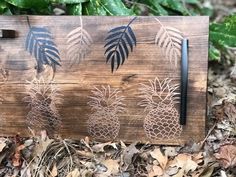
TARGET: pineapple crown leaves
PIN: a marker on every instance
(163, 91)
(39, 92)
(79, 44)
(169, 39)
(106, 98)
(3, 71)
(119, 43)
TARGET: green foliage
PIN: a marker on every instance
(28, 4)
(170, 7)
(100, 7)
(222, 35)
(175, 7)
(3, 7)
(115, 7)
(69, 1)
(214, 53)
(74, 9)
(93, 7)
(106, 7)
(24, 6)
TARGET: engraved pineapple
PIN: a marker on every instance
(104, 122)
(162, 119)
(42, 99)
(4, 73)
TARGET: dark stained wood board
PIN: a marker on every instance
(146, 62)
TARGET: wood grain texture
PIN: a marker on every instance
(145, 62)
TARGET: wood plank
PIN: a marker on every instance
(144, 63)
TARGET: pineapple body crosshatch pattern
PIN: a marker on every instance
(110, 78)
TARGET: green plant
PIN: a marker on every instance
(222, 37)
(104, 7)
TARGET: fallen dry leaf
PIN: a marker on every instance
(122, 144)
(218, 112)
(230, 111)
(85, 154)
(162, 159)
(155, 171)
(227, 126)
(74, 173)
(207, 172)
(227, 156)
(198, 158)
(54, 171)
(87, 140)
(100, 147)
(43, 143)
(185, 162)
(128, 153)
(170, 151)
(222, 173)
(87, 173)
(17, 159)
(112, 168)
(171, 171)
(2, 144)
(180, 173)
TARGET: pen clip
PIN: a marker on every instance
(6, 33)
(184, 82)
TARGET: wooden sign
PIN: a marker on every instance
(110, 78)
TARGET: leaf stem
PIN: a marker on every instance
(81, 21)
(28, 21)
(131, 21)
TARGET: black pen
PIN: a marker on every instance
(184, 82)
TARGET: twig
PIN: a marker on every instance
(208, 134)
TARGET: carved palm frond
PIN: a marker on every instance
(169, 39)
(106, 98)
(79, 44)
(119, 42)
(158, 92)
(40, 44)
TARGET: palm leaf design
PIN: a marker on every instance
(79, 42)
(39, 43)
(119, 42)
(169, 39)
